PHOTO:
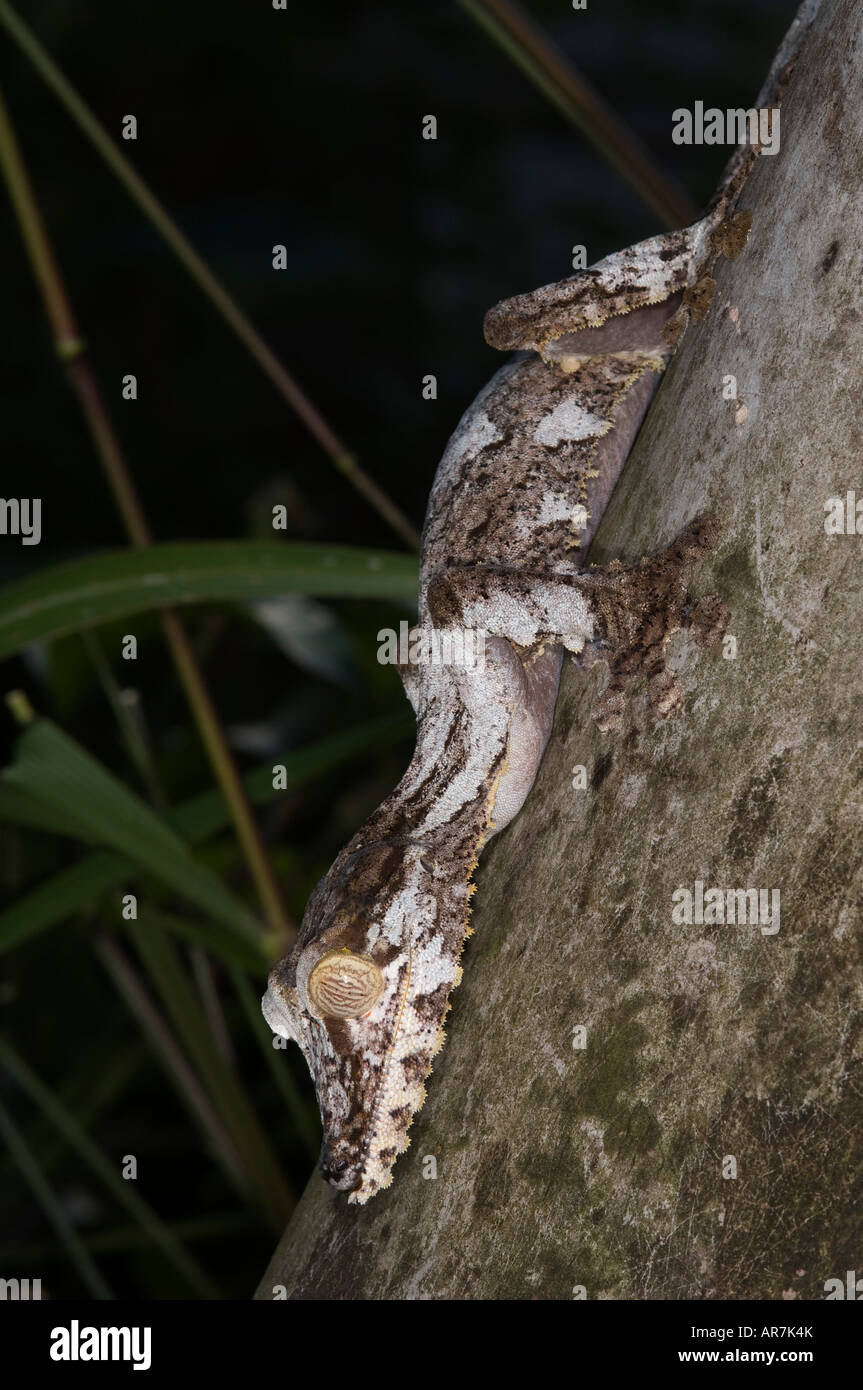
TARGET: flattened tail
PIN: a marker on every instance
(585, 306)
(654, 270)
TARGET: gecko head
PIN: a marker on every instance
(364, 993)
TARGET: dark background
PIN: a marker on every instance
(258, 127)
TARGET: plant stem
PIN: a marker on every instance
(552, 73)
(138, 749)
(70, 347)
(228, 777)
(204, 277)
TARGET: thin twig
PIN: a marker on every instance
(70, 347)
(204, 277)
(555, 76)
(229, 778)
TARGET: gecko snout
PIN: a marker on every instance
(341, 1172)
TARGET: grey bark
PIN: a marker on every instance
(602, 1167)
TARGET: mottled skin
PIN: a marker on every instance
(516, 500)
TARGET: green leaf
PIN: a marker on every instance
(55, 770)
(61, 896)
(250, 956)
(83, 593)
(195, 820)
(19, 807)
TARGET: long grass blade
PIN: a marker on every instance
(83, 593)
(100, 809)
(202, 816)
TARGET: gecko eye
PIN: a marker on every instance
(344, 985)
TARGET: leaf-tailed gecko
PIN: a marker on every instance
(517, 497)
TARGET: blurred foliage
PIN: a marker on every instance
(256, 127)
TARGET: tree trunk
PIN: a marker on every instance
(704, 1140)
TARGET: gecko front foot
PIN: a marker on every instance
(628, 613)
(639, 607)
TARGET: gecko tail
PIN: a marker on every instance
(654, 271)
(645, 277)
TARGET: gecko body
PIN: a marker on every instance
(517, 497)
(516, 500)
